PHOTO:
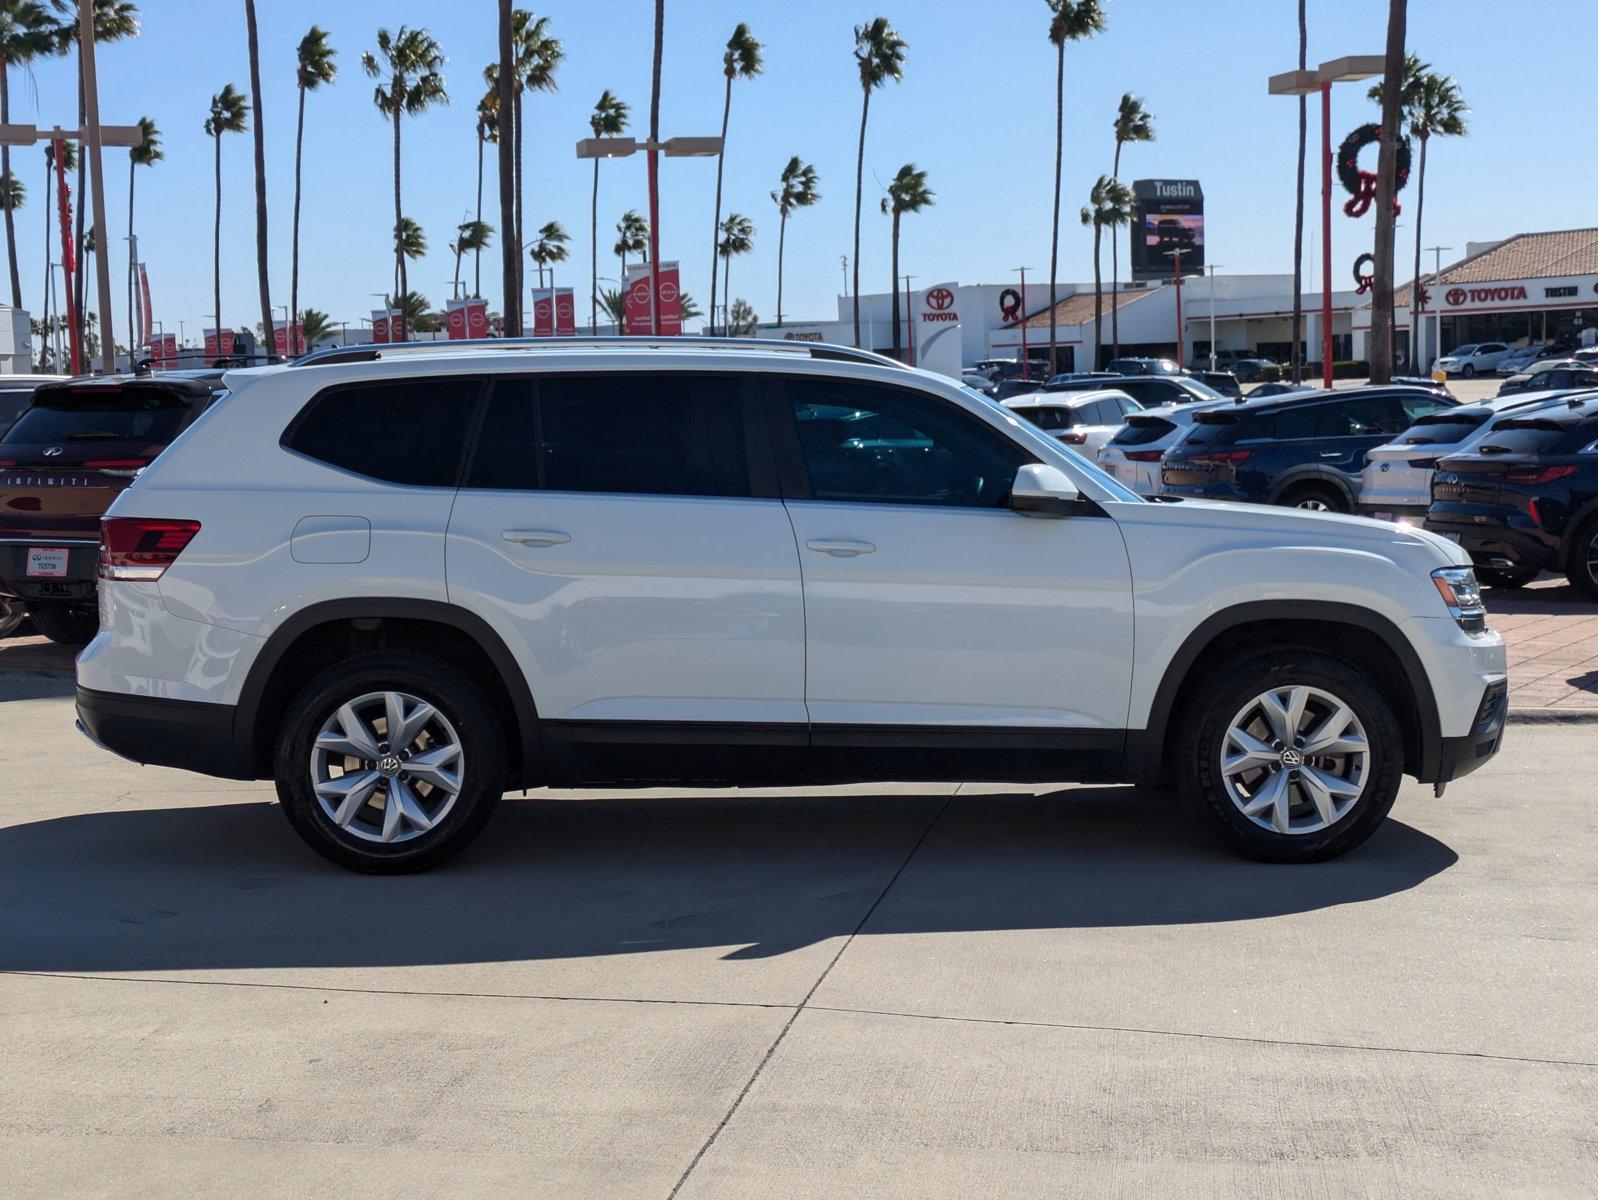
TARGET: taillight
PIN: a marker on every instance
(1221, 456)
(142, 548)
(1537, 474)
(1073, 439)
(128, 468)
(1422, 463)
(1144, 455)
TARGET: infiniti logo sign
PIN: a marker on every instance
(53, 451)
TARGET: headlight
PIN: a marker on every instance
(1462, 594)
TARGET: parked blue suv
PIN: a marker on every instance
(1304, 450)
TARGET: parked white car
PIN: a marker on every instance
(403, 580)
(1473, 359)
(1397, 480)
(1132, 455)
(1519, 358)
(1084, 421)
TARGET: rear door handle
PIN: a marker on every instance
(1331, 454)
(536, 537)
(840, 547)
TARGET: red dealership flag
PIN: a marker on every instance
(380, 325)
(543, 312)
(218, 344)
(477, 318)
(638, 300)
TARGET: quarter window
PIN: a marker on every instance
(407, 431)
(890, 446)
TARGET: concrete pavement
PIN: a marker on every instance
(872, 992)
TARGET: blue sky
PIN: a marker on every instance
(975, 110)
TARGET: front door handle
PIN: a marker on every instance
(536, 537)
(840, 547)
(1331, 454)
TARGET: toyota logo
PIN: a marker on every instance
(940, 298)
(53, 451)
(1455, 297)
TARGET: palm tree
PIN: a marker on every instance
(471, 237)
(907, 193)
(1109, 206)
(608, 119)
(27, 33)
(737, 237)
(227, 116)
(741, 60)
(1069, 21)
(487, 131)
(614, 303)
(632, 237)
(262, 276)
(315, 67)
(690, 308)
(416, 313)
(1382, 331)
(548, 249)
(1433, 105)
(146, 154)
(412, 62)
(1118, 211)
(799, 190)
(412, 241)
(315, 327)
(879, 53)
(537, 55)
(1298, 209)
(741, 319)
(1133, 123)
(69, 159)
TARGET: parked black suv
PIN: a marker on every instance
(1151, 391)
(1525, 499)
(1304, 451)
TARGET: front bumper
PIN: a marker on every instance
(1462, 755)
(186, 734)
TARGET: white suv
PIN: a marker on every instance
(402, 581)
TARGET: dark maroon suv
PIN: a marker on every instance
(69, 454)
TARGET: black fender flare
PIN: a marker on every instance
(524, 710)
(1146, 747)
(1313, 473)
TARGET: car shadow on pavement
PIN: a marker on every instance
(227, 885)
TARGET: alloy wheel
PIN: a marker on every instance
(1295, 760)
(1314, 504)
(387, 767)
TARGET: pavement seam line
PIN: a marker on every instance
(782, 1033)
(1214, 1037)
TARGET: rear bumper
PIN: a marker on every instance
(1408, 512)
(185, 734)
(83, 558)
(1499, 545)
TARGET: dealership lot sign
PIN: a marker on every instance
(1513, 293)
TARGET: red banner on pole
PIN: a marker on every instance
(477, 318)
(69, 262)
(288, 340)
(163, 350)
(565, 313)
(379, 325)
(543, 312)
(145, 323)
(218, 344)
(638, 300)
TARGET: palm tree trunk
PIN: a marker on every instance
(1381, 343)
(5, 172)
(1098, 298)
(1054, 225)
(894, 260)
(1115, 268)
(132, 267)
(48, 178)
(294, 250)
(782, 235)
(520, 266)
(399, 248)
(1298, 211)
(1416, 366)
(593, 255)
(715, 224)
(78, 290)
(477, 250)
(859, 176)
(263, 276)
(456, 287)
(509, 244)
(726, 289)
(216, 248)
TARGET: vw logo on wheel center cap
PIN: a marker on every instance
(388, 765)
(1292, 758)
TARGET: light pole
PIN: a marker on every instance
(1181, 332)
(1437, 310)
(1301, 83)
(678, 147)
(1211, 268)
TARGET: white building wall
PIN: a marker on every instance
(16, 341)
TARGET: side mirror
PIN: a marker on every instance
(1040, 490)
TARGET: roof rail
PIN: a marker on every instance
(373, 351)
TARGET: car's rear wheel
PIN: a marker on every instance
(1496, 578)
(1468, 371)
(12, 615)
(1290, 755)
(1314, 497)
(1582, 566)
(389, 763)
(69, 624)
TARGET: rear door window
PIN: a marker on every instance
(93, 416)
(409, 431)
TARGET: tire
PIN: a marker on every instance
(1204, 737)
(462, 718)
(12, 615)
(68, 624)
(1581, 567)
(1316, 497)
(1494, 578)
(1468, 371)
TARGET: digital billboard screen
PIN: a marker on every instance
(1170, 217)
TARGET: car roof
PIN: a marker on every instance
(1567, 410)
(1063, 399)
(1254, 404)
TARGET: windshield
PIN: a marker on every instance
(99, 417)
(1461, 350)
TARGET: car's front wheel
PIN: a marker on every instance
(1314, 497)
(1468, 371)
(390, 762)
(1290, 755)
